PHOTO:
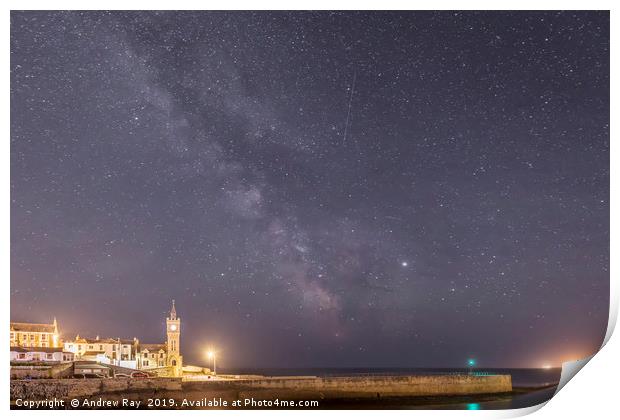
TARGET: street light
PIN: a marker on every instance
(212, 355)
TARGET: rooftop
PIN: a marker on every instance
(30, 327)
(38, 349)
(153, 347)
(98, 340)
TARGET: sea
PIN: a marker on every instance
(532, 386)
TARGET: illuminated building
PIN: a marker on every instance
(24, 334)
(40, 354)
(112, 351)
(167, 354)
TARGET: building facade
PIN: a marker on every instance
(168, 354)
(25, 334)
(40, 354)
(173, 342)
(112, 351)
(153, 356)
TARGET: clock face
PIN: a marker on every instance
(173, 327)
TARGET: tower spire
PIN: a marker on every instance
(173, 311)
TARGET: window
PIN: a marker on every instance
(100, 346)
(21, 356)
(90, 347)
(49, 356)
(174, 362)
(32, 336)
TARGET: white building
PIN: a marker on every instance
(112, 351)
(40, 354)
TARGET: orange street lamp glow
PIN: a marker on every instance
(212, 355)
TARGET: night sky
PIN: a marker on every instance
(361, 189)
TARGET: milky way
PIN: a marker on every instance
(315, 189)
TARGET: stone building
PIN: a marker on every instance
(153, 356)
(168, 354)
(25, 334)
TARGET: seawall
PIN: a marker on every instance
(360, 387)
(268, 388)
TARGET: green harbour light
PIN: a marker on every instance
(471, 364)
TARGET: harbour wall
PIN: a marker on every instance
(267, 388)
(359, 387)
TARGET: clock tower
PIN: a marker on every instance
(173, 334)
